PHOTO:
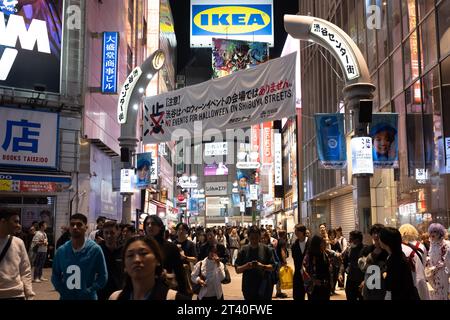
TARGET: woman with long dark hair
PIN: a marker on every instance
(316, 272)
(143, 271)
(399, 281)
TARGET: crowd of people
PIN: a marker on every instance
(114, 262)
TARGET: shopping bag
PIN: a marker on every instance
(286, 278)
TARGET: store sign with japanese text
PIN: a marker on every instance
(30, 34)
(232, 19)
(267, 144)
(341, 48)
(278, 160)
(28, 138)
(110, 62)
(33, 183)
(154, 170)
(260, 94)
(362, 161)
(216, 149)
(127, 181)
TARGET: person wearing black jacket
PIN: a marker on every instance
(172, 261)
(355, 277)
(317, 266)
(113, 259)
(399, 280)
(65, 236)
(299, 249)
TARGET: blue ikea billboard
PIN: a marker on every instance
(252, 21)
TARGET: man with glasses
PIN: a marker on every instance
(299, 249)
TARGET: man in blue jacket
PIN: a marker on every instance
(79, 267)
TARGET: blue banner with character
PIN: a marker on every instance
(384, 133)
(331, 146)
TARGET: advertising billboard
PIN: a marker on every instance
(384, 132)
(28, 138)
(247, 97)
(143, 170)
(229, 56)
(30, 44)
(110, 62)
(220, 169)
(232, 19)
(331, 146)
(362, 161)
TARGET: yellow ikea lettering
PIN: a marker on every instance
(232, 20)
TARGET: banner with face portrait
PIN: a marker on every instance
(384, 133)
(143, 170)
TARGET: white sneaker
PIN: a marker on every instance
(37, 281)
(43, 279)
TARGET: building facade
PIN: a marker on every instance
(406, 46)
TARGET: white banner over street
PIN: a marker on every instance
(260, 94)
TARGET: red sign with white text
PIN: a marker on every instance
(267, 143)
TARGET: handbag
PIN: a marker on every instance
(5, 249)
(286, 278)
(227, 278)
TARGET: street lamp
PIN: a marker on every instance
(132, 94)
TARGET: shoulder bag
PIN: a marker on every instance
(5, 249)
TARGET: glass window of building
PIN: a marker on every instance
(414, 128)
(397, 71)
(385, 84)
(361, 27)
(411, 58)
(376, 100)
(382, 36)
(353, 30)
(395, 23)
(428, 46)
(444, 27)
(409, 16)
(399, 107)
(445, 75)
(424, 6)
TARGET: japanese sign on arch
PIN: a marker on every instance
(260, 94)
(340, 46)
(28, 138)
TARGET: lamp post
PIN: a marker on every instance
(358, 87)
(132, 94)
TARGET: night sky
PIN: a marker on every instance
(202, 57)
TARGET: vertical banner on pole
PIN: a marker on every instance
(331, 146)
(384, 133)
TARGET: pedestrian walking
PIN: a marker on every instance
(112, 252)
(209, 273)
(374, 258)
(144, 278)
(299, 250)
(15, 268)
(235, 244)
(79, 267)
(172, 262)
(256, 262)
(438, 263)
(39, 246)
(399, 280)
(316, 272)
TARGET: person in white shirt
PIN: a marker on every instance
(15, 269)
(209, 273)
(39, 246)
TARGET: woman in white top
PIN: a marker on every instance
(209, 273)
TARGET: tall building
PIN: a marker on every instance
(406, 46)
(60, 132)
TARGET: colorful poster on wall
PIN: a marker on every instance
(229, 56)
(331, 146)
(384, 133)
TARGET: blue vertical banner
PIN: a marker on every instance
(143, 170)
(110, 62)
(331, 145)
(384, 133)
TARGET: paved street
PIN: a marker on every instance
(232, 291)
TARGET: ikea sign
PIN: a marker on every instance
(230, 19)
